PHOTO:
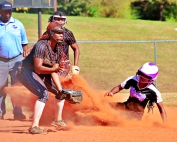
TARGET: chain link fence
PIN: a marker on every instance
(105, 64)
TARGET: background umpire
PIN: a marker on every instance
(13, 43)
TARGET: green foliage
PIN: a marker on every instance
(73, 7)
(92, 8)
(114, 8)
(136, 9)
(172, 15)
(154, 9)
(93, 11)
(146, 9)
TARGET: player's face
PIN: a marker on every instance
(58, 36)
(5, 15)
(143, 79)
(61, 21)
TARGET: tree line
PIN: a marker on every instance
(138, 9)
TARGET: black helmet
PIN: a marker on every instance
(57, 14)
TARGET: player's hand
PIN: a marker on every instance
(27, 51)
(59, 69)
(109, 94)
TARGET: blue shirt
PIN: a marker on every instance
(12, 36)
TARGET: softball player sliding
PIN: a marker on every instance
(142, 92)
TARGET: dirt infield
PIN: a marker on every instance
(91, 121)
(16, 131)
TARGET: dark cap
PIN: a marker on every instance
(5, 5)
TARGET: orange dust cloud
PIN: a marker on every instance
(93, 110)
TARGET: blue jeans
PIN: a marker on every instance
(8, 67)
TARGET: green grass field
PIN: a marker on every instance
(106, 65)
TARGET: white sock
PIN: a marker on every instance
(60, 106)
(38, 109)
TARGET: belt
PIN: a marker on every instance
(8, 59)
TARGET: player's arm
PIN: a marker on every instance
(40, 69)
(75, 68)
(162, 112)
(114, 90)
(76, 51)
(25, 50)
(56, 78)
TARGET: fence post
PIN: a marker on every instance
(155, 57)
(39, 23)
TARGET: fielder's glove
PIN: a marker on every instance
(75, 69)
(71, 96)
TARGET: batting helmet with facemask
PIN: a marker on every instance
(60, 15)
(52, 28)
